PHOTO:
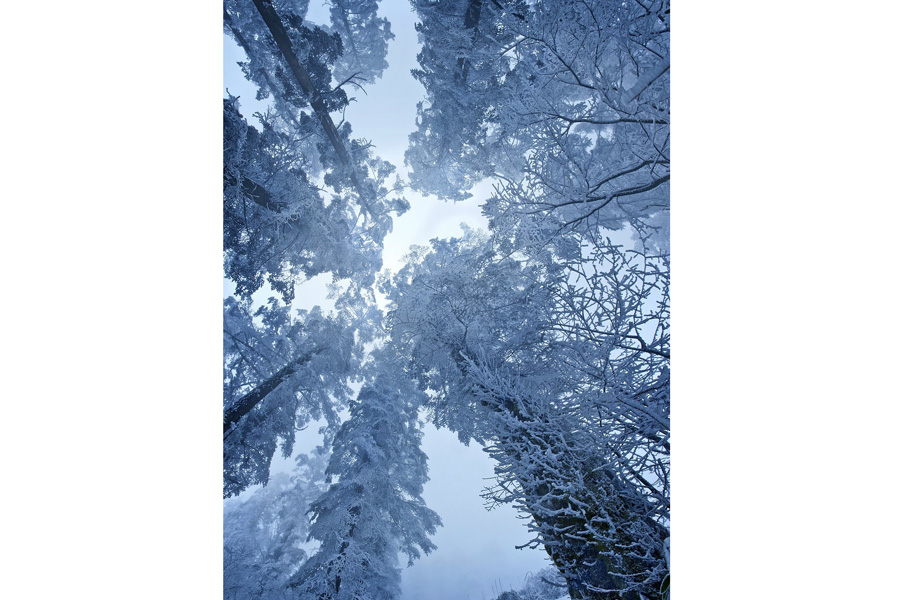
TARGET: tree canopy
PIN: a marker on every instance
(545, 339)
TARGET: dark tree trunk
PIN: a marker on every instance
(246, 403)
(473, 13)
(470, 21)
(580, 562)
(255, 192)
(276, 28)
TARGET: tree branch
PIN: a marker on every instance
(646, 79)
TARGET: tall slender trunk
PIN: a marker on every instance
(276, 28)
(246, 403)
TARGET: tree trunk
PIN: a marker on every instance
(245, 404)
(470, 21)
(276, 28)
(255, 192)
(646, 79)
(581, 562)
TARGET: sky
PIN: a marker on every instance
(476, 556)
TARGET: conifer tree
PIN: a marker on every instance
(374, 509)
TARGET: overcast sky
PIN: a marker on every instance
(476, 555)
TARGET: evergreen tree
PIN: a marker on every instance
(281, 372)
(265, 533)
(281, 227)
(365, 38)
(374, 510)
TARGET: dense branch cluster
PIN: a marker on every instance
(566, 104)
(563, 374)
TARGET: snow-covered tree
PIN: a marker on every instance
(292, 61)
(365, 38)
(553, 344)
(278, 225)
(565, 103)
(463, 76)
(374, 509)
(265, 533)
(282, 371)
(300, 199)
(546, 584)
(565, 381)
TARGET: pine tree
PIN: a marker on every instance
(375, 509)
(281, 227)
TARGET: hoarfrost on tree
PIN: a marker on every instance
(301, 198)
(564, 104)
(541, 339)
(265, 533)
(561, 369)
(374, 510)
